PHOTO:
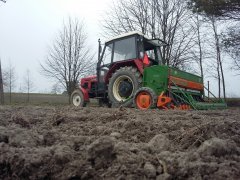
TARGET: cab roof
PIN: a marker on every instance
(126, 35)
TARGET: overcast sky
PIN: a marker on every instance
(28, 27)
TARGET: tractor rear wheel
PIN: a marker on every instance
(122, 86)
(77, 98)
(145, 98)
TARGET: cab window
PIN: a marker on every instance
(153, 52)
(125, 49)
(107, 56)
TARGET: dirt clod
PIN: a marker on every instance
(218, 147)
(58, 120)
(115, 134)
(150, 170)
(164, 177)
(102, 147)
(159, 169)
(19, 119)
(158, 143)
(3, 138)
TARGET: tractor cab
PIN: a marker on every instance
(130, 46)
(126, 50)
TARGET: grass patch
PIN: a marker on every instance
(36, 99)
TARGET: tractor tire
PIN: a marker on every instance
(77, 98)
(122, 85)
(146, 91)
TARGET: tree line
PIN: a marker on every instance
(8, 82)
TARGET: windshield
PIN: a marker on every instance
(107, 55)
(125, 49)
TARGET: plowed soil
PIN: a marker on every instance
(101, 143)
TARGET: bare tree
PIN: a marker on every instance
(1, 85)
(28, 84)
(203, 50)
(169, 20)
(224, 9)
(214, 46)
(69, 58)
(231, 42)
(236, 64)
(213, 70)
(3, 1)
(218, 53)
(10, 80)
(56, 88)
(198, 51)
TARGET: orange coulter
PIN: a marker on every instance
(165, 102)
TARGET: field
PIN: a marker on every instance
(36, 99)
(60, 99)
(39, 142)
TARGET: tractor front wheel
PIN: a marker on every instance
(77, 98)
(145, 98)
(122, 86)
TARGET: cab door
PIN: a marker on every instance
(106, 61)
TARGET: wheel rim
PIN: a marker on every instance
(143, 100)
(76, 100)
(123, 88)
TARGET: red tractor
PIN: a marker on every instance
(119, 70)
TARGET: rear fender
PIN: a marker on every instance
(135, 63)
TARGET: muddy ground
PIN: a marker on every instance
(101, 143)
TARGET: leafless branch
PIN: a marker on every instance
(166, 19)
(69, 58)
